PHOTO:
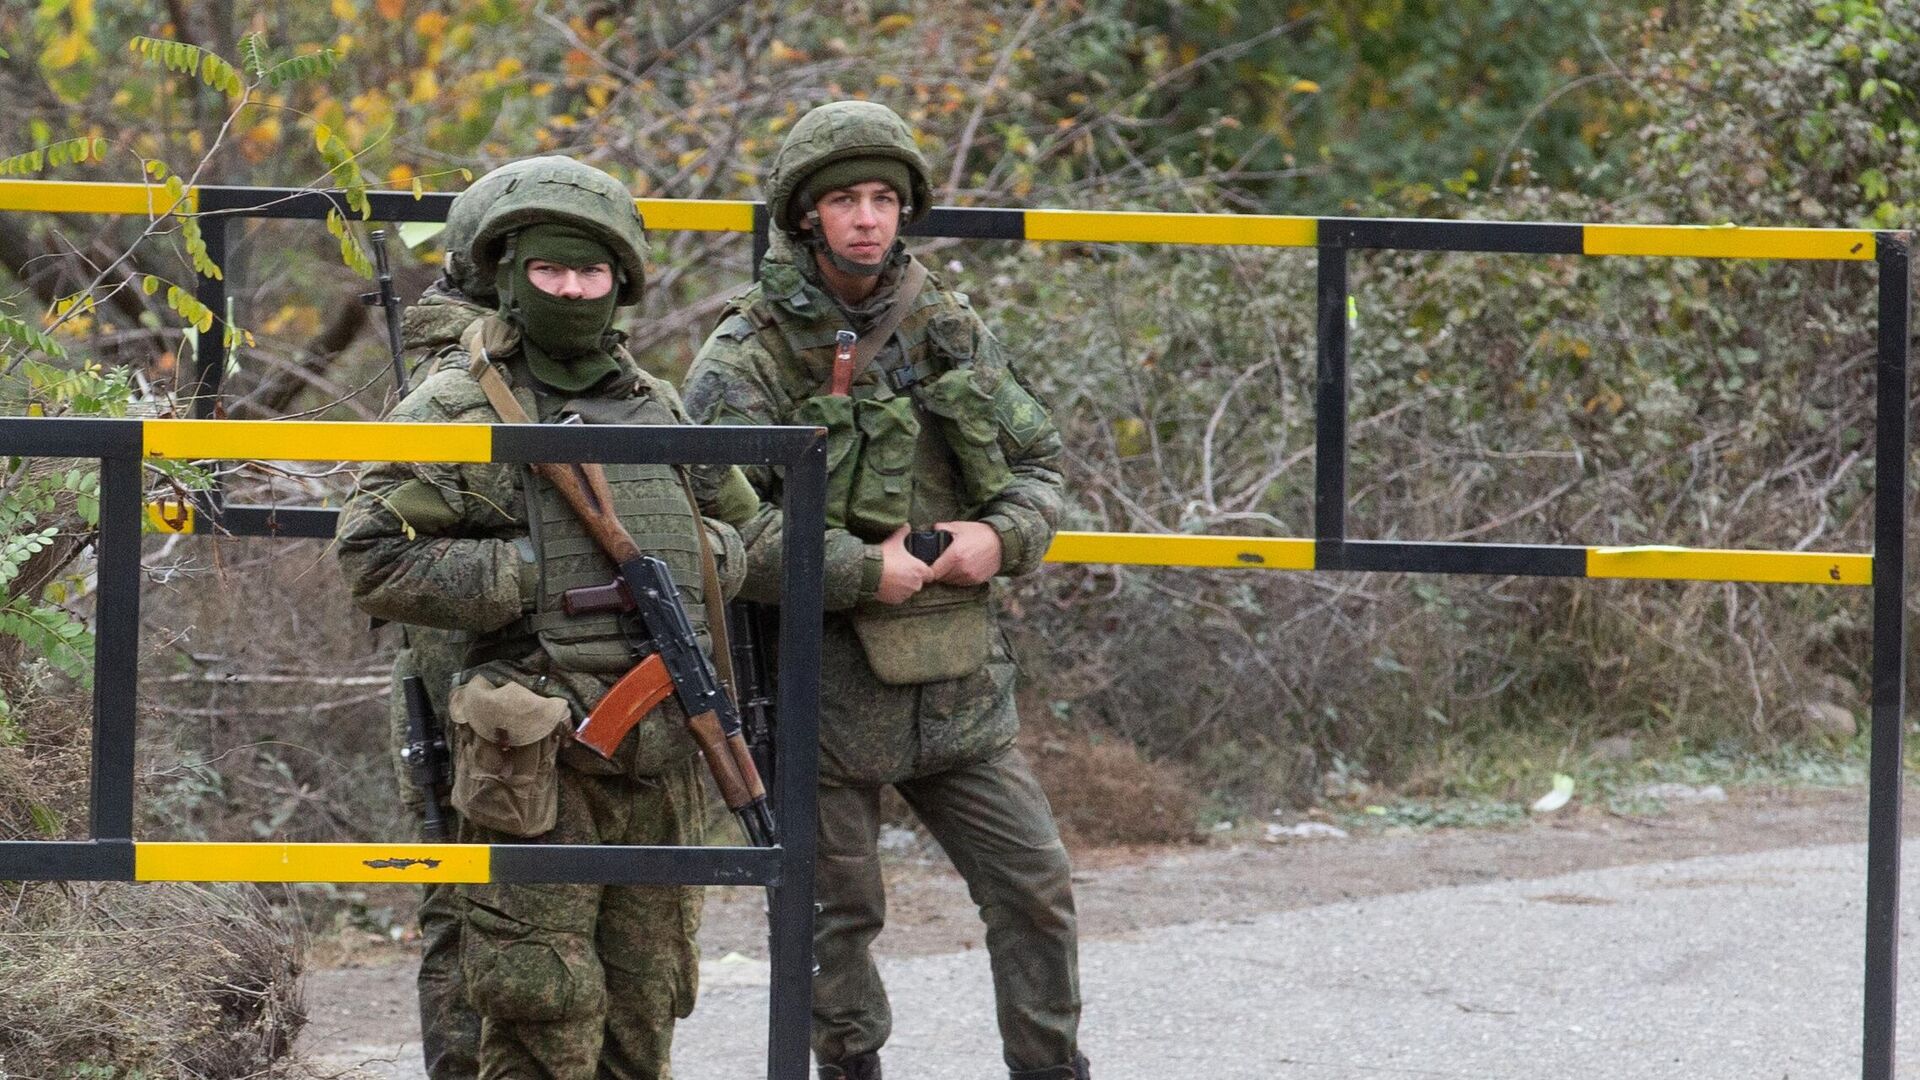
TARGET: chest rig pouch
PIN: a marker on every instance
(870, 448)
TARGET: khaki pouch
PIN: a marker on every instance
(943, 632)
(506, 744)
(968, 418)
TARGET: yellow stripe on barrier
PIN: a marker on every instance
(1126, 227)
(1708, 564)
(696, 215)
(1171, 549)
(314, 440)
(1728, 242)
(74, 197)
(170, 516)
(403, 863)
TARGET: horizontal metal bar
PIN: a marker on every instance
(972, 223)
(316, 440)
(623, 444)
(66, 860)
(1730, 242)
(1528, 560)
(82, 197)
(412, 863)
(1170, 549)
(1712, 564)
(1126, 227)
(637, 865)
(32, 436)
(1256, 230)
(287, 522)
(1415, 234)
(321, 440)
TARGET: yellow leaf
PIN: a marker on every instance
(430, 24)
(345, 10)
(508, 68)
(63, 52)
(321, 133)
(419, 192)
(782, 53)
(1305, 86)
(400, 174)
(892, 24)
(426, 87)
(887, 80)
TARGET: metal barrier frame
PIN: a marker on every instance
(1329, 548)
(112, 853)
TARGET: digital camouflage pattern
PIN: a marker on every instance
(449, 1026)
(587, 980)
(452, 546)
(946, 745)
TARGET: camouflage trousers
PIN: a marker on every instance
(994, 822)
(574, 982)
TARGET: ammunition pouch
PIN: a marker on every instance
(941, 632)
(972, 419)
(505, 741)
(870, 453)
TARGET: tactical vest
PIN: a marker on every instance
(651, 501)
(910, 443)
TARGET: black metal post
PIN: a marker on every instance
(1889, 657)
(116, 648)
(1330, 405)
(797, 748)
(210, 350)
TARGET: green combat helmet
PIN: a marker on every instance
(557, 190)
(839, 131)
(463, 222)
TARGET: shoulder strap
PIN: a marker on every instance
(877, 335)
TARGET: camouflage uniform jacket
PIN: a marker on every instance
(769, 356)
(447, 545)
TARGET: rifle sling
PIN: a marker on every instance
(500, 396)
(877, 335)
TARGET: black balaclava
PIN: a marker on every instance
(565, 341)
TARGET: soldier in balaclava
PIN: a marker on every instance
(570, 981)
(932, 435)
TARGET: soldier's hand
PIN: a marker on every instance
(972, 557)
(901, 574)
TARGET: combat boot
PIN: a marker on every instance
(858, 1067)
(1077, 1069)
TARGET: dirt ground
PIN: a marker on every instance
(359, 997)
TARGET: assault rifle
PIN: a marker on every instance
(674, 663)
(426, 756)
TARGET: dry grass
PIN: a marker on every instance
(169, 980)
(154, 980)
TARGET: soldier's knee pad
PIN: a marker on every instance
(517, 971)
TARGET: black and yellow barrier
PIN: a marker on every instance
(1334, 242)
(1055, 226)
